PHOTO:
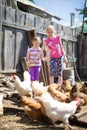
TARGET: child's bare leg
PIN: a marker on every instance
(51, 79)
(60, 80)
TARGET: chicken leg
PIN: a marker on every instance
(71, 127)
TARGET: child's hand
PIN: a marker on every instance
(65, 59)
(44, 59)
(34, 61)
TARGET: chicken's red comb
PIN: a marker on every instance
(77, 99)
(14, 77)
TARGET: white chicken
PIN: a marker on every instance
(23, 87)
(38, 88)
(58, 111)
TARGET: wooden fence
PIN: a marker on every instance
(82, 55)
(15, 42)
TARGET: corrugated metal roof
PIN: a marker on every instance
(33, 8)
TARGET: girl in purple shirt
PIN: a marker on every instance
(31, 55)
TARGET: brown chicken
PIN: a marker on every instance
(56, 94)
(84, 88)
(66, 86)
(76, 93)
(31, 107)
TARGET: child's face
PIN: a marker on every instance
(50, 33)
(36, 43)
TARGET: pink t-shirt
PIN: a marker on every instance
(54, 47)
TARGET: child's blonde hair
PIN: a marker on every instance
(36, 39)
(50, 28)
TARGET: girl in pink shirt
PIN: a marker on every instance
(54, 45)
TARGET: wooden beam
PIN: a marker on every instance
(16, 26)
(0, 32)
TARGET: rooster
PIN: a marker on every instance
(56, 110)
(23, 87)
(38, 88)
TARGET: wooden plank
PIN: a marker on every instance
(8, 71)
(0, 33)
(82, 55)
(19, 37)
(0, 16)
(59, 28)
(4, 2)
(20, 17)
(10, 14)
(39, 23)
(24, 64)
(3, 13)
(30, 34)
(29, 20)
(8, 50)
(16, 26)
(44, 74)
(21, 48)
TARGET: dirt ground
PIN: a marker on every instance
(14, 117)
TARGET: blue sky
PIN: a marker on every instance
(63, 8)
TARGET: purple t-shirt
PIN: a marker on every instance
(33, 54)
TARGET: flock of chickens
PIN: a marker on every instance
(58, 105)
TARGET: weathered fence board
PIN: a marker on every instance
(20, 17)
(59, 28)
(8, 53)
(21, 48)
(29, 20)
(0, 32)
(41, 24)
(10, 14)
(14, 48)
(30, 35)
(19, 37)
(82, 55)
(3, 12)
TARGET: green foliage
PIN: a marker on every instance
(82, 11)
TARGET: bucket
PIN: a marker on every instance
(1, 104)
(68, 74)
